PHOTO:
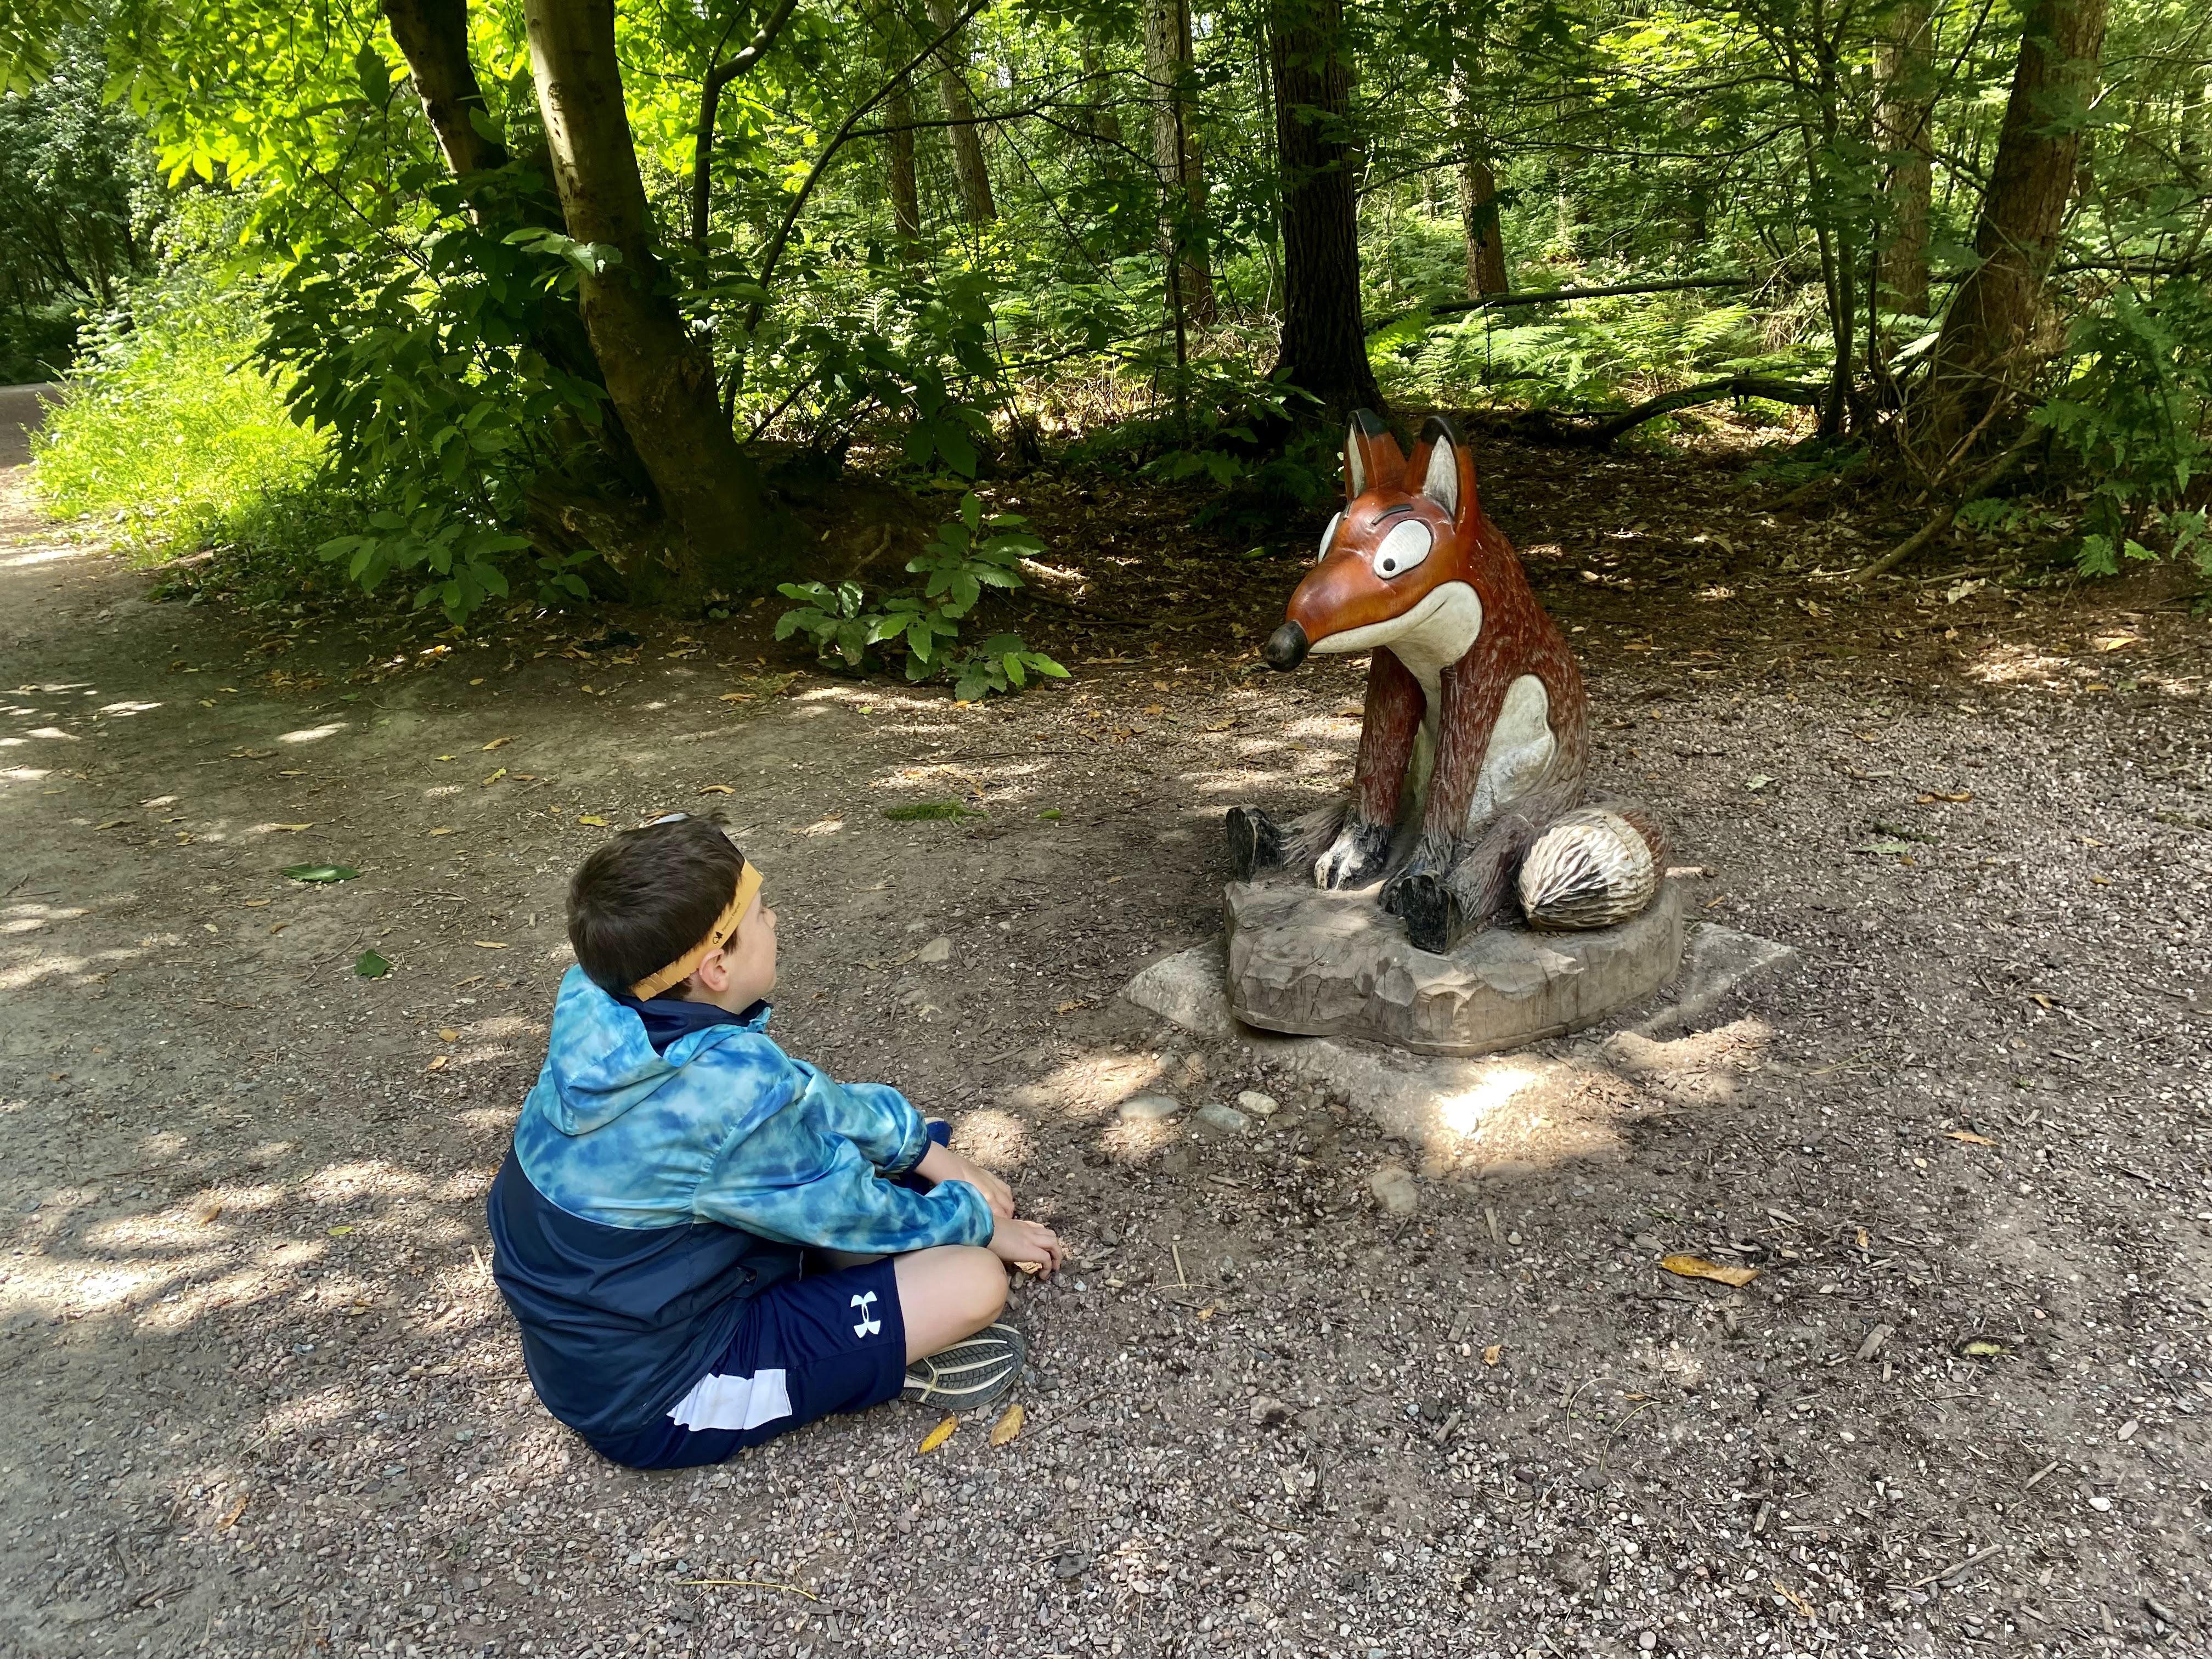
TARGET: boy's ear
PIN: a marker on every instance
(1372, 459)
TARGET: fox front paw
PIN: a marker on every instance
(1355, 858)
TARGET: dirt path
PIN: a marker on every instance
(260, 1398)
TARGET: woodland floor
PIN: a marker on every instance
(257, 1395)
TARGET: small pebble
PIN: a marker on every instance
(1394, 1189)
(1147, 1108)
(937, 950)
(1258, 1105)
(1227, 1119)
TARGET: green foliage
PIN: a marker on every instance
(167, 432)
(2134, 412)
(84, 206)
(970, 554)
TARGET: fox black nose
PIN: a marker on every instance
(1285, 648)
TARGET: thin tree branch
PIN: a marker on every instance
(1547, 297)
(710, 103)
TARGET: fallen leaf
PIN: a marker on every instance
(1983, 1347)
(1969, 1137)
(207, 1209)
(230, 1519)
(1804, 1607)
(2117, 640)
(497, 743)
(717, 789)
(1922, 801)
(1208, 1312)
(735, 696)
(110, 824)
(493, 777)
(1696, 1266)
(1221, 725)
(489, 944)
(337, 1232)
(293, 827)
(257, 904)
(1757, 781)
(1493, 1353)
(442, 829)
(438, 1064)
(594, 820)
(320, 871)
(278, 926)
(938, 1436)
(1029, 1269)
(447, 1034)
(368, 964)
(829, 826)
(1009, 1425)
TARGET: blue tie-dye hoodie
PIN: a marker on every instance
(650, 1193)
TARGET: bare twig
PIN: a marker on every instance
(1936, 526)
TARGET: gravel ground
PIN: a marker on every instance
(260, 1398)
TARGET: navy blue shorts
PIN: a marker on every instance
(805, 1348)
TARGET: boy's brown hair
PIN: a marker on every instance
(649, 896)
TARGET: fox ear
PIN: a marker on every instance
(1446, 469)
(1372, 459)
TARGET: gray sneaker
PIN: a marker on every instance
(979, 1371)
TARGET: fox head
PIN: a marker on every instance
(1403, 562)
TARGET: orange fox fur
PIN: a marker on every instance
(1462, 656)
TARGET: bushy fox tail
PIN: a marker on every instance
(1592, 868)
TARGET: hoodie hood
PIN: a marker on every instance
(600, 1065)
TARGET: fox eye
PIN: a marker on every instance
(1403, 549)
(1327, 536)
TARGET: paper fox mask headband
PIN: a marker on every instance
(724, 930)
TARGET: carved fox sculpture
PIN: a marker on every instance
(1468, 789)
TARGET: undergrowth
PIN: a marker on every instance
(167, 431)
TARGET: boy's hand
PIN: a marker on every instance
(1027, 1241)
(943, 1163)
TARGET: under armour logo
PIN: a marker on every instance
(869, 1325)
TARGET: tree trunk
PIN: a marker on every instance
(898, 158)
(1167, 72)
(433, 35)
(1324, 349)
(1478, 193)
(975, 203)
(1105, 125)
(1904, 104)
(659, 378)
(1986, 347)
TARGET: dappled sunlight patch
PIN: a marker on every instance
(1469, 1112)
(338, 1183)
(30, 968)
(1085, 1085)
(1134, 1142)
(996, 1140)
(1703, 1069)
(64, 1286)
(29, 918)
(121, 709)
(488, 1120)
(313, 733)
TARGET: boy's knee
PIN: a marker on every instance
(984, 1277)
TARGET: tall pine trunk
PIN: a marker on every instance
(1987, 348)
(1324, 342)
(1478, 190)
(659, 378)
(1167, 72)
(976, 205)
(1904, 104)
(898, 160)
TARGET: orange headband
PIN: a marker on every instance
(724, 928)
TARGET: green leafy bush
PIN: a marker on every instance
(166, 429)
(2134, 411)
(970, 554)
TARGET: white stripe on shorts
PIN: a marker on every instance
(734, 1402)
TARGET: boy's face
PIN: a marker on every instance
(743, 971)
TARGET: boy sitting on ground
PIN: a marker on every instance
(672, 1165)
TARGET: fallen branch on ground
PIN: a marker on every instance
(1936, 526)
(1711, 391)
